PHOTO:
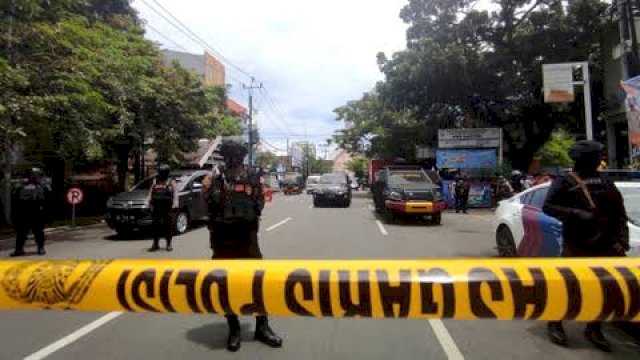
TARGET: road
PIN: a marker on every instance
(292, 229)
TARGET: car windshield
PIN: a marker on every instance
(312, 180)
(407, 177)
(146, 183)
(333, 179)
(631, 196)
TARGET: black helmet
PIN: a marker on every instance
(586, 149)
(163, 172)
(233, 151)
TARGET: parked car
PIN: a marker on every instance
(333, 188)
(126, 211)
(312, 183)
(291, 187)
(407, 190)
(522, 229)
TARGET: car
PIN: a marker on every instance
(126, 212)
(291, 187)
(407, 190)
(312, 183)
(523, 229)
(333, 188)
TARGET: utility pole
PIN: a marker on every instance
(250, 89)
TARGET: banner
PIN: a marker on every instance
(632, 105)
(506, 289)
(557, 81)
(480, 194)
(466, 159)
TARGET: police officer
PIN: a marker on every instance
(162, 199)
(235, 203)
(594, 221)
(462, 194)
(29, 211)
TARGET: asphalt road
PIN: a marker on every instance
(292, 229)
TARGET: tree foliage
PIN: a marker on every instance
(465, 67)
(358, 166)
(555, 151)
(267, 160)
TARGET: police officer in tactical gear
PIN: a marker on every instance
(462, 189)
(162, 199)
(29, 213)
(235, 202)
(594, 221)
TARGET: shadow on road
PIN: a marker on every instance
(214, 335)
(404, 220)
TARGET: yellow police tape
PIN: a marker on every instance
(543, 289)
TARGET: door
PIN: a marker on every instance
(195, 202)
(542, 233)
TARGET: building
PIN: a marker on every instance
(210, 69)
(298, 149)
(340, 160)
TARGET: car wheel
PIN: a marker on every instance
(182, 223)
(347, 203)
(123, 232)
(436, 219)
(504, 241)
(316, 203)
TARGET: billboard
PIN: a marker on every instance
(469, 138)
(632, 104)
(558, 83)
(466, 158)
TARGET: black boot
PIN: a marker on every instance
(556, 333)
(264, 333)
(233, 342)
(17, 253)
(593, 333)
(155, 246)
(169, 247)
(41, 251)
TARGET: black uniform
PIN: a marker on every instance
(235, 203)
(29, 212)
(162, 199)
(462, 195)
(594, 220)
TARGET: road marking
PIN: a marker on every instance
(381, 227)
(446, 341)
(371, 207)
(311, 206)
(279, 224)
(67, 340)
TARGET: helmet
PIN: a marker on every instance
(163, 172)
(586, 149)
(233, 151)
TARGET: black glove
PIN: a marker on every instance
(583, 215)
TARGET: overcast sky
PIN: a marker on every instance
(311, 56)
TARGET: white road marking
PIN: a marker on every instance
(370, 207)
(381, 227)
(446, 341)
(279, 224)
(67, 340)
(311, 206)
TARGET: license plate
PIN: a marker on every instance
(125, 218)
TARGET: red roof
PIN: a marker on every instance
(235, 108)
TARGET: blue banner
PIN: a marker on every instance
(466, 158)
(480, 194)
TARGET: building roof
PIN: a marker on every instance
(235, 108)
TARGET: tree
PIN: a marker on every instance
(267, 160)
(358, 166)
(555, 151)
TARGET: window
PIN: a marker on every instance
(526, 198)
(198, 180)
(538, 197)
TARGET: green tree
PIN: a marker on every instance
(555, 151)
(359, 166)
(267, 160)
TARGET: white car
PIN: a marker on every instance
(522, 229)
(312, 183)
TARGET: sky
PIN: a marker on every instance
(311, 57)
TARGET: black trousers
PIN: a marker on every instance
(462, 202)
(236, 241)
(162, 224)
(22, 232)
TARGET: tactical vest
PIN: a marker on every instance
(32, 197)
(239, 198)
(162, 194)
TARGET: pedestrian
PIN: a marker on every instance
(235, 204)
(163, 200)
(462, 188)
(517, 181)
(594, 221)
(30, 202)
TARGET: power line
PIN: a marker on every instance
(166, 37)
(223, 58)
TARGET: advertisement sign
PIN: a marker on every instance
(632, 104)
(466, 158)
(480, 194)
(558, 83)
(469, 138)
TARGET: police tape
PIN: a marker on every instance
(535, 289)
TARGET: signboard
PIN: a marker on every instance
(469, 138)
(558, 83)
(466, 158)
(74, 196)
(632, 104)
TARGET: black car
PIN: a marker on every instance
(127, 212)
(407, 190)
(333, 188)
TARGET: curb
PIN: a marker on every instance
(59, 229)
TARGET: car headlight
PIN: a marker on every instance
(394, 195)
(437, 195)
(110, 202)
